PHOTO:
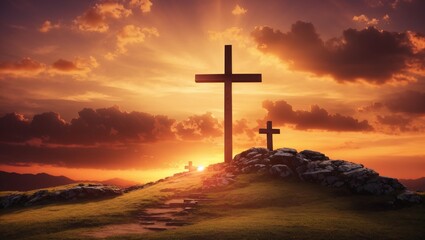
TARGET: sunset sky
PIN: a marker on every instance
(103, 89)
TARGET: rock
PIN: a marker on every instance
(45, 196)
(281, 170)
(316, 167)
(285, 158)
(288, 150)
(345, 166)
(316, 176)
(408, 197)
(313, 155)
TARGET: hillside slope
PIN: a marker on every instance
(255, 206)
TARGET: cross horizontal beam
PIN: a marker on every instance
(267, 131)
(217, 78)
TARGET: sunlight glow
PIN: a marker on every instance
(200, 168)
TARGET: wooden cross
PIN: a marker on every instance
(189, 167)
(228, 78)
(269, 131)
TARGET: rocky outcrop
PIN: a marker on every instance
(316, 167)
(80, 191)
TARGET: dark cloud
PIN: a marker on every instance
(64, 65)
(14, 128)
(26, 67)
(105, 125)
(406, 102)
(105, 138)
(369, 54)
(397, 122)
(198, 127)
(280, 112)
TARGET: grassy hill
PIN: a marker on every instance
(254, 207)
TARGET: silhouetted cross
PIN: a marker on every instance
(228, 78)
(189, 167)
(269, 131)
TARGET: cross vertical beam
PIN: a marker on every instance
(269, 131)
(228, 118)
(227, 78)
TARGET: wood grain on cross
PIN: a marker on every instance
(228, 78)
(269, 131)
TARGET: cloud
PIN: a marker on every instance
(364, 19)
(368, 55)
(96, 18)
(396, 122)
(280, 112)
(241, 127)
(105, 138)
(232, 34)
(14, 127)
(199, 127)
(26, 67)
(386, 18)
(144, 5)
(238, 10)
(104, 125)
(130, 34)
(47, 26)
(411, 102)
(80, 66)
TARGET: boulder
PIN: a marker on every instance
(80, 191)
(316, 167)
(408, 197)
(313, 155)
(281, 170)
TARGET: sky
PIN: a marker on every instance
(103, 89)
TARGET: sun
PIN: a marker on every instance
(200, 168)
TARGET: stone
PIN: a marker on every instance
(285, 158)
(313, 155)
(281, 170)
(45, 196)
(288, 150)
(408, 197)
(347, 166)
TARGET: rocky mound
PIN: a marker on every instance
(310, 166)
(80, 191)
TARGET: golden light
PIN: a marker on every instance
(200, 168)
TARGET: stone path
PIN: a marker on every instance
(172, 213)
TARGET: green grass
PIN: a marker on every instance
(252, 208)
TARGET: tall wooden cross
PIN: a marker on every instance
(228, 78)
(269, 131)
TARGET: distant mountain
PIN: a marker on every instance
(24, 182)
(414, 184)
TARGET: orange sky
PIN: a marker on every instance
(346, 78)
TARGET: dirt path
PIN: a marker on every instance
(171, 214)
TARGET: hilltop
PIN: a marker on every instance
(244, 199)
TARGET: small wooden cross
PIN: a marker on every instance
(190, 167)
(227, 78)
(269, 131)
